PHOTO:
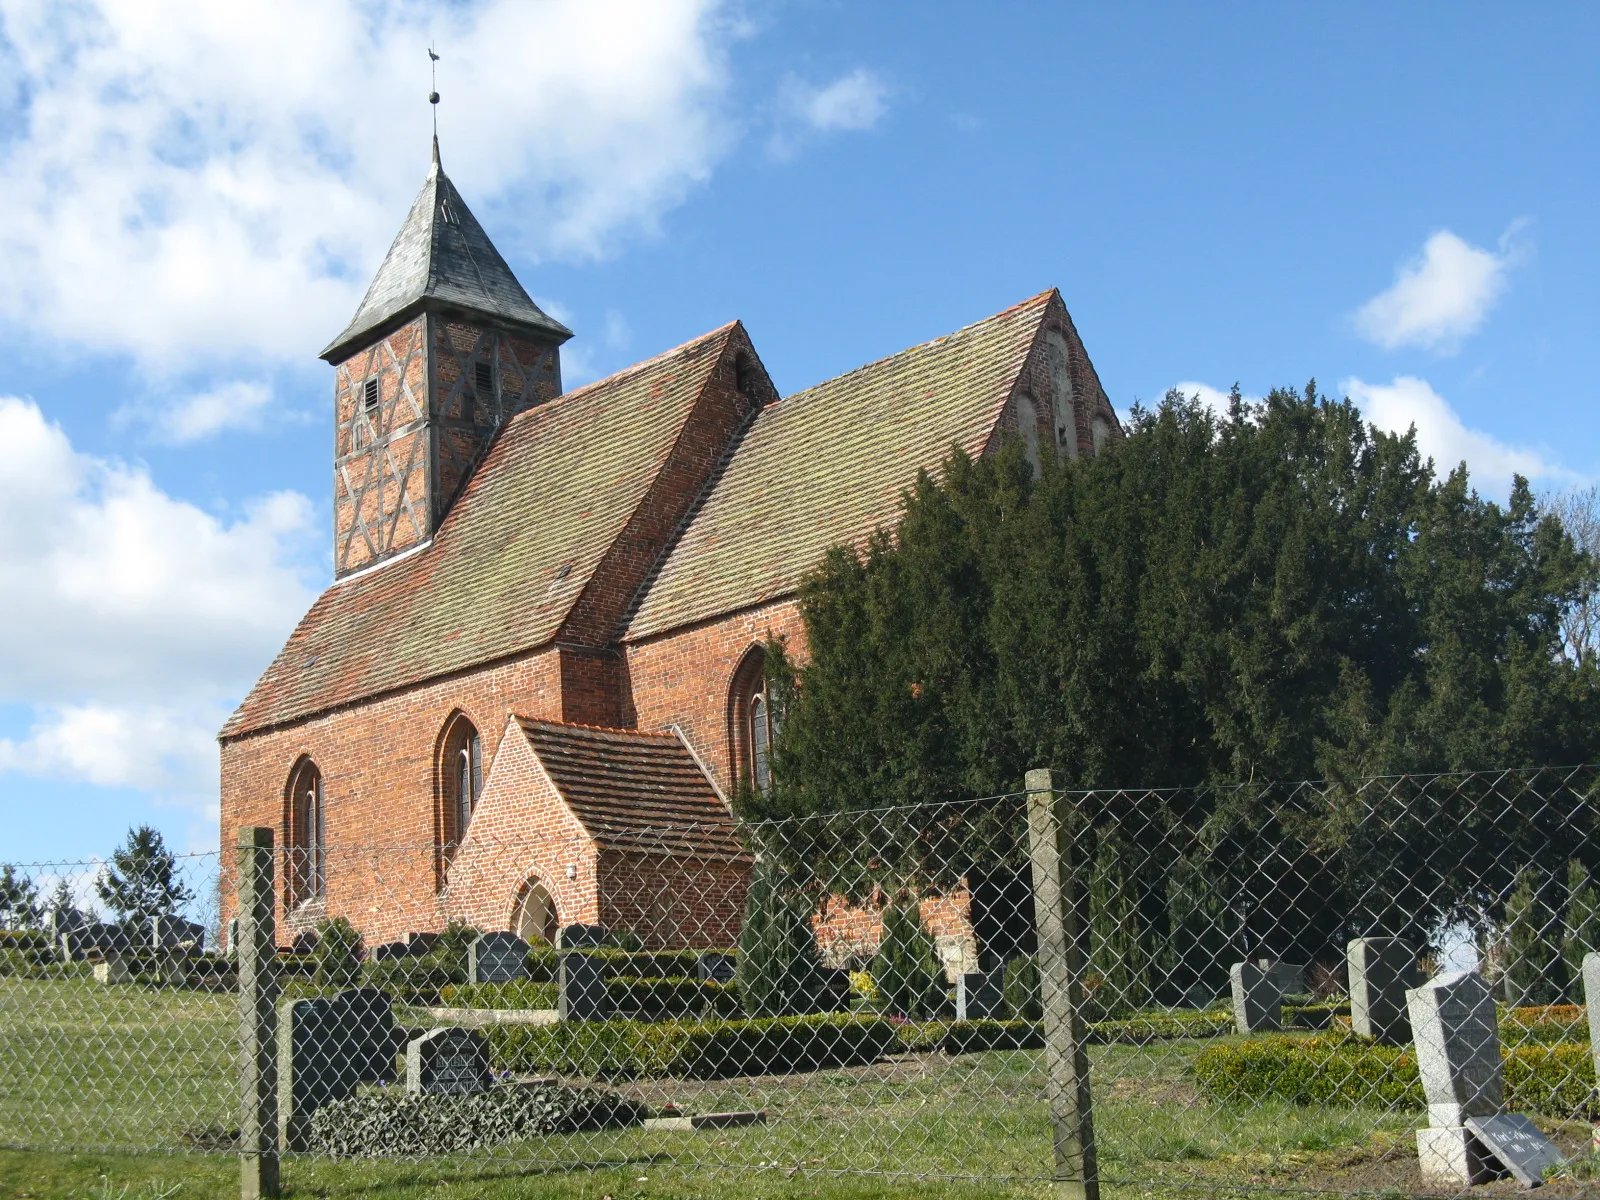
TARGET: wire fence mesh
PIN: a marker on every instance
(1224, 986)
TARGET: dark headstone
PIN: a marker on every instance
(497, 958)
(304, 943)
(452, 1061)
(576, 936)
(370, 1034)
(980, 996)
(388, 951)
(1517, 1143)
(1257, 999)
(312, 1068)
(714, 967)
(833, 990)
(1289, 977)
(422, 943)
(581, 992)
(171, 933)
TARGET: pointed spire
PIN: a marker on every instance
(442, 258)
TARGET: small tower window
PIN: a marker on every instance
(365, 425)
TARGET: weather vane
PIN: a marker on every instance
(433, 95)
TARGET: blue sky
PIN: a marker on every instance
(1397, 200)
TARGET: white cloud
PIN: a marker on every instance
(1442, 436)
(235, 405)
(1213, 398)
(192, 182)
(854, 101)
(1441, 297)
(132, 619)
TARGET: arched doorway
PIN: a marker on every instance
(535, 918)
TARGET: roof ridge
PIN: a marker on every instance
(624, 372)
(666, 734)
(944, 337)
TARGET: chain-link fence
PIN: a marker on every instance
(1141, 990)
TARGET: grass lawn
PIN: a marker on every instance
(130, 1068)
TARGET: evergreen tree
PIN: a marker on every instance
(142, 881)
(1534, 971)
(779, 971)
(1580, 926)
(338, 954)
(1119, 977)
(1023, 997)
(906, 969)
(19, 899)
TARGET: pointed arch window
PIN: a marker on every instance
(461, 779)
(308, 836)
(755, 724)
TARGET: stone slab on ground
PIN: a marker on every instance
(727, 1120)
(473, 1018)
(1519, 1146)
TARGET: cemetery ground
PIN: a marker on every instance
(134, 1066)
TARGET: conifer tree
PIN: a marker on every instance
(1580, 926)
(1534, 971)
(142, 881)
(19, 899)
(337, 954)
(779, 971)
(906, 969)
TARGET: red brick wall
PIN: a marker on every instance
(1089, 398)
(849, 933)
(683, 678)
(673, 902)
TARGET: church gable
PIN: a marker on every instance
(533, 526)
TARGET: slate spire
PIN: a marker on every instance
(442, 258)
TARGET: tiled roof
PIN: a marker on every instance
(634, 791)
(442, 254)
(828, 466)
(511, 558)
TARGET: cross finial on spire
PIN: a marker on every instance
(433, 99)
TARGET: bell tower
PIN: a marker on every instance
(444, 349)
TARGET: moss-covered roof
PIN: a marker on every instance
(511, 558)
(828, 466)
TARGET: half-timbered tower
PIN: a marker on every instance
(539, 670)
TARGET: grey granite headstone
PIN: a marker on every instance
(980, 995)
(451, 1061)
(1591, 1001)
(232, 948)
(497, 958)
(371, 1039)
(1458, 1048)
(1290, 977)
(1257, 1001)
(312, 1066)
(581, 992)
(1517, 1143)
(712, 966)
(574, 936)
(1381, 969)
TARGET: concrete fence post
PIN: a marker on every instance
(258, 1017)
(1061, 922)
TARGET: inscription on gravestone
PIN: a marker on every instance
(1257, 1002)
(450, 1061)
(497, 958)
(1381, 970)
(1517, 1143)
(715, 967)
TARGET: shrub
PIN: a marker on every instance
(971, 1037)
(1548, 1023)
(692, 1049)
(906, 969)
(388, 1123)
(337, 954)
(673, 996)
(513, 994)
(418, 980)
(1155, 1027)
(779, 972)
(652, 964)
(1021, 989)
(1554, 1081)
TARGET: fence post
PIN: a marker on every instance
(1058, 917)
(258, 1018)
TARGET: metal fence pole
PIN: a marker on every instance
(1056, 906)
(258, 1018)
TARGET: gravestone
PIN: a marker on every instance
(172, 933)
(833, 990)
(980, 995)
(1517, 1144)
(581, 992)
(1290, 977)
(712, 966)
(422, 943)
(1381, 969)
(371, 1039)
(389, 951)
(1257, 1001)
(497, 958)
(113, 970)
(575, 936)
(312, 1068)
(450, 1061)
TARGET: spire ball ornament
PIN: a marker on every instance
(433, 97)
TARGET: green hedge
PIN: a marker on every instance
(386, 1123)
(513, 994)
(674, 996)
(1344, 1071)
(644, 964)
(692, 1049)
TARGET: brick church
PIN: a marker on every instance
(539, 674)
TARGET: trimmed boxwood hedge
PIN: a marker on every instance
(369, 1124)
(512, 994)
(674, 996)
(1345, 1071)
(692, 1049)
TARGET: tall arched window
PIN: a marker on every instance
(753, 723)
(461, 779)
(307, 840)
